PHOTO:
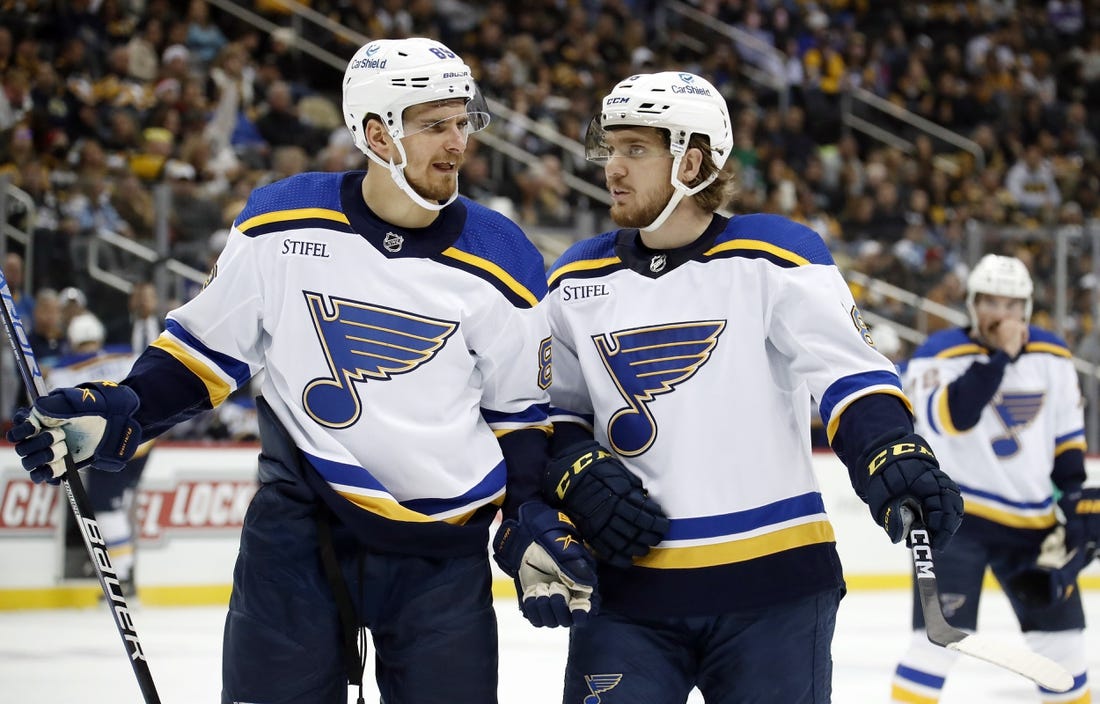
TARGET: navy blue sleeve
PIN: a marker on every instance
(525, 457)
(867, 424)
(1069, 470)
(169, 392)
(969, 394)
(567, 434)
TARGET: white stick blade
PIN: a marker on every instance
(1037, 668)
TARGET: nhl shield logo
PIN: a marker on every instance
(657, 263)
(393, 242)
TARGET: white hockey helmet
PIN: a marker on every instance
(386, 76)
(678, 102)
(996, 275)
(84, 328)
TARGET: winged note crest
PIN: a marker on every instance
(364, 342)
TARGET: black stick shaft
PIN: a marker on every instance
(78, 502)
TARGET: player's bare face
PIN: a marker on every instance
(638, 171)
(992, 311)
(435, 145)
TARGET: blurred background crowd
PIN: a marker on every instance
(152, 121)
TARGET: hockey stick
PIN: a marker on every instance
(1019, 659)
(78, 501)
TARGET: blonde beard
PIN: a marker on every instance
(641, 215)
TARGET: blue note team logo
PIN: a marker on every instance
(1016, 411)
(645, 363)
(598, 684)
(363, 343)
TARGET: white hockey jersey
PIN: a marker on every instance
(1003, 464)
(394, 358)
(697, 367)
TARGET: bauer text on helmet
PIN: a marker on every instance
(997, 275)
(680, 103)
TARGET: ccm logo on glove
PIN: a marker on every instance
(897, 450)
(579, 465)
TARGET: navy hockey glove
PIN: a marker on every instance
(1053, 577)
(1081, 509)
(93, 423)
(555, 574)
(904, 470)
(612, 509)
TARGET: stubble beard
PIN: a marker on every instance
(643, 211)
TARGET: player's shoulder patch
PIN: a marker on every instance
(303, 200)
(947, 343)
(590, 257)
(1042, 341)
(775, 238)
(494, 248)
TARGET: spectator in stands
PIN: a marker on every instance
(1030, 182)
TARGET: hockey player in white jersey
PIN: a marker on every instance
(1000, 405)
(404, 401)
(111, 494)
(687, 348)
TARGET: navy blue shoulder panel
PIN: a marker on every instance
(589, 257)
(302, 200)
(954, 339)
(495, 248)
(773, 237)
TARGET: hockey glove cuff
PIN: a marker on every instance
(1053, 577)
(905, 470)
(612, 509)
(1081, 511)
(92, 423)
(555, 574)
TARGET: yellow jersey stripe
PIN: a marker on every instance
(943, 414)
(1012, 520)
(904, 696)
(583, 265)
(216, 387)
(495, 270)
(834, 420)
(389, 508)
(739, 550)
(293, 214)
(760, 246)
(1074, 444)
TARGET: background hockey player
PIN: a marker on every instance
(111, 494)
(1000, 404)
(407, 367)
(687, 348)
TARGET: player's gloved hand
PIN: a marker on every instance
(1053, 577)
(1081, 509)
(904, 470)
(612, 509)
(93, 423)
(555, 574)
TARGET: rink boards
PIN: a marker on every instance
(192, 503)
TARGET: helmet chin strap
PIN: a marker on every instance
(678, 194)
(397, 173)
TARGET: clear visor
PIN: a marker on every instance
(446, 114)
(601, 145)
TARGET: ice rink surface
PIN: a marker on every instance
(76, 656)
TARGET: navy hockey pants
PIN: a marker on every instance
(432, 620)
(763, 656)
(960, 570)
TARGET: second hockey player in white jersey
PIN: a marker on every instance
(687, 348)
(1000, 405)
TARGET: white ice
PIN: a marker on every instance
(76, 656)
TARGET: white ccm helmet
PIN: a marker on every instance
(678, 102)
(386, 76)
(995, 275)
